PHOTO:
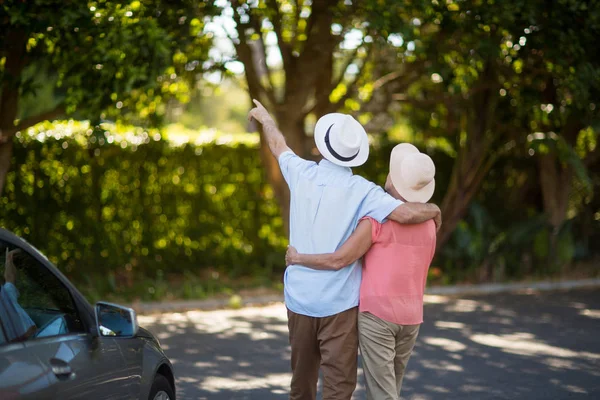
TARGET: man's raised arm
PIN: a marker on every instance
(272, 134)
(10, 271)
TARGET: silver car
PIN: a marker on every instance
(55, 345)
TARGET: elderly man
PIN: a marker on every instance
(394, 276)
(327, 202)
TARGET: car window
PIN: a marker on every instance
(33, 302)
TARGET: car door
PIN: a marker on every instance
(22, 376)
(76, 363)
(83, 367)
(120, 323)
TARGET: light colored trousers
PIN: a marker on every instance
(385, 348)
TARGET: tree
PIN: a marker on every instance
(325, 48)
(103, 59)
(559, 113)
(488, 70)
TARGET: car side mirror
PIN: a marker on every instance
(113, 320)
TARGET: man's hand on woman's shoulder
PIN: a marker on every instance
(438, 218)
(416, 213)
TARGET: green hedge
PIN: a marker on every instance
(101, 206)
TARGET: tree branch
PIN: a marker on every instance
(299, 5)
(284, 47)
(245, 54)
(312, 68)
(270, 91)
(387, 78)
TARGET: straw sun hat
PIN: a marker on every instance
(342, 140)
(412, 173)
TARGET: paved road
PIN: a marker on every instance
(525, 346)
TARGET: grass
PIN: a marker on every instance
(214, 284)
(186, 286)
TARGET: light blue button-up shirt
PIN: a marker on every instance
(327, 202)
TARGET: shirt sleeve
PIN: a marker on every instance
(375, 229)
(11, 291)
(378, 204)
(292, 167)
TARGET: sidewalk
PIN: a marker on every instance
(457, 290)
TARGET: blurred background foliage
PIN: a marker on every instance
(132, 206)
(148, 185)
(139, 216)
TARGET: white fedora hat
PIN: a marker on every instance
(412, 173)
(342, 140)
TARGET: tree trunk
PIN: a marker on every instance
(275, 179)
(474, 159)
(463, 188)
(555, 182)
(9, 98)
(5, 158)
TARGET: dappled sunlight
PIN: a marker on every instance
(590, 313)
(435, 299)
(225, 323)
(467, 349)
(523, 343)
(576, 389)
(444, 366)
(411, 374)
(570, 388)
(449, 325)
(223, 351)
(561, 363)
(201, 364)
(577, 305)
(437, 389)
(446, 344)
(471, 346)
(242, 381)
(466, 306)
(473, 388)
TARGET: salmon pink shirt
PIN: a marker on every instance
(395, 271)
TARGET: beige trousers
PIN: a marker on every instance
(385, 348)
